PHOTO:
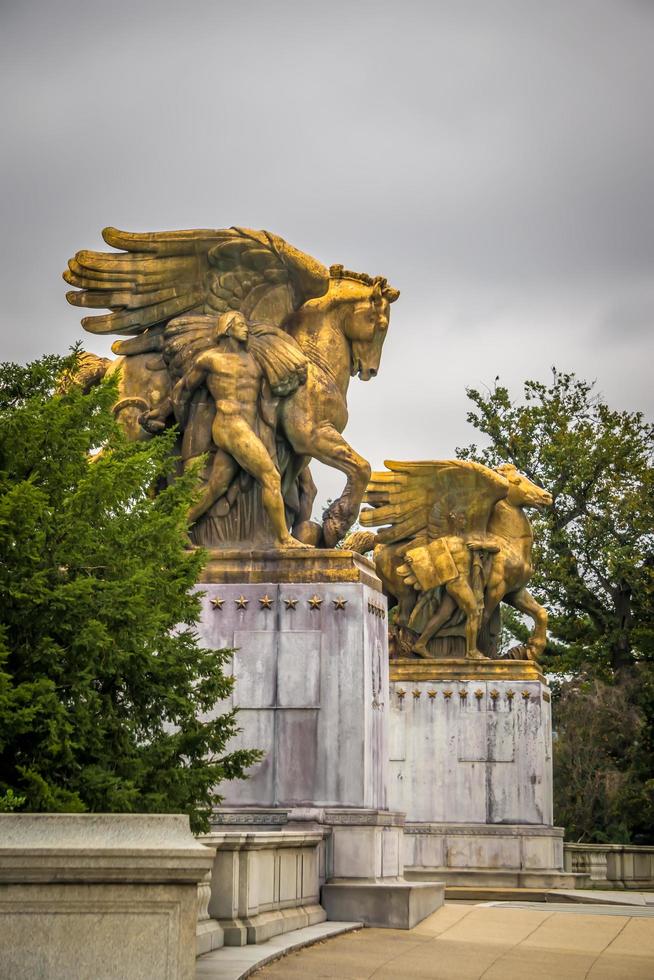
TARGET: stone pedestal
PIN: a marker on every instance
(311, 669)
(471, 765)
(106, 896)
(310, 663)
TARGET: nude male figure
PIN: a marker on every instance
(234, 377)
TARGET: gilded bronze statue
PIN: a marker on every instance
(453, 543)
(261, 393)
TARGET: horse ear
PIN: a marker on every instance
(390, 294)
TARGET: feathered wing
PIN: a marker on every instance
(158, 276)
(431, 499)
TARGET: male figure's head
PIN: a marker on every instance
(232, 324)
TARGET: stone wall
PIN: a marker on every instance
(612, 865)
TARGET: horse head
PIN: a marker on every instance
(365, 304)
(522, 492)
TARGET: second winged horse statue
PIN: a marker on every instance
(453, 543)
(269, 394)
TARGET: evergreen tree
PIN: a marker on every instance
(107, 700)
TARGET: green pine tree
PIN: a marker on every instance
(107, 700)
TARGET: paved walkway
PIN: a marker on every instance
(471, 942)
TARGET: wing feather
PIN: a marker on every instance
(432, 497)
(160, 275)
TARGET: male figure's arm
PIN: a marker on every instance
(187, 384)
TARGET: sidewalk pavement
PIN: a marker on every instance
(471, 942)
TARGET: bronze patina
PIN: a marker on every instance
(453, 543)
(248, 345)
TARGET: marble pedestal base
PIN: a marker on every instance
(485, 855)
(471, 766)
(310, 665)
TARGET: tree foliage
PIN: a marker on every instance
(594, 551)
(107, 700)
(594, 571)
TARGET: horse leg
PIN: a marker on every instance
(307, 491)
(525, 603)
(327, 445)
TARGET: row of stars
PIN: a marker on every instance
(494, 695)
(267, 601)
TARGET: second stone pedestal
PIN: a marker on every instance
(471, 766)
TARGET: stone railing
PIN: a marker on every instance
(612, 865)
(264, 883)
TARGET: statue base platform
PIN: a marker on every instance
(288, 565)
(471, 766)
(460, 669)
(360, 860)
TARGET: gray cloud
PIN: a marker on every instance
(495, 159)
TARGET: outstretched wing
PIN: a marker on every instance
(431, 499)
(161, 275)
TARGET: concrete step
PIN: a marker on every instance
(388, 905)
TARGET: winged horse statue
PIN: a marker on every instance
(453, 543)
(165, 292)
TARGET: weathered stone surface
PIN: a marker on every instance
(97, 895)
(264, 884)
(510, 854)
(471, 751)
(311, 669)
(392, 905)
(471, 765)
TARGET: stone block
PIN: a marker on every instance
(100, 895)
(392, 905)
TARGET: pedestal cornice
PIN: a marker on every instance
(464, 670)
(296, 565)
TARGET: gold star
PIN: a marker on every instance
(290, 603)
(416, 694)
(217, 602)
(463, 694)
(266, 601)
(447, 694)
(432, 695)
(241, 602)
(315, 601)
(339, 602)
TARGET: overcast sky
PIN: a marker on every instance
(493, 158)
